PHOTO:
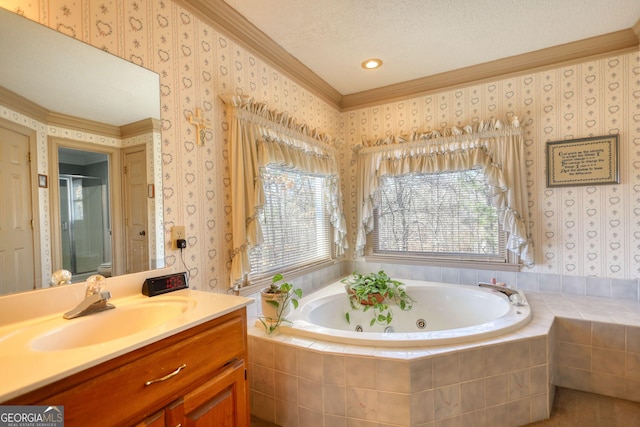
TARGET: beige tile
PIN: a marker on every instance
(393, 375)
(496, 389)
(362, 404)
(608, 335)
(394, 408)
(309, 364)
(495, 359)
(520, 412)
(497, 416)
(578, 379)
(310, 418)
(446, 370)
(421, 373)
(263, 407)
(518, 384)
(472, 395)
(310, 394)
(539, 407)
(422, 407)
(475, 419)
(574, 331)
(286, 387)
(518, 355)
(335, 421)
(286, 414)
(607, 361)
(335, 399)
(472, 364)
(608, 385)
(446, 402)
(633, 339)
(538, 379)
(264, 357)
(538, 351)
(263, 380)
(285, 359)
(574, 355)
(360, 372)
(632, 364)
(333, 369)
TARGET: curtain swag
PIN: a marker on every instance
(260, 137)
(495, 148)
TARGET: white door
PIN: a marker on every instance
(135, 196)
(17, 267)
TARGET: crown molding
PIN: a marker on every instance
(592, 47)
(227, 20)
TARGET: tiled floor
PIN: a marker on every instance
(573, 408)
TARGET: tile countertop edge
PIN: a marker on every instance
(61, 364)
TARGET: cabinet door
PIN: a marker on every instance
(219, 402)
(156, 420)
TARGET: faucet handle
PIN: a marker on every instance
(95, 284)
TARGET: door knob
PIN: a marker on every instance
(142, 233)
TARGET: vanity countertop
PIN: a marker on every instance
(25, 367)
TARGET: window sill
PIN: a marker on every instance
(445, 263)
(289, 276)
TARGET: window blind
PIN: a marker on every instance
(445, 214)
(295, 224)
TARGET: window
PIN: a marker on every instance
(445, 215)
(295, 224)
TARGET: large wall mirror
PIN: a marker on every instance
(80, 159)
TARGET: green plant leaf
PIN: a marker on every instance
(274, 303)
(294, 302)
(347, 316)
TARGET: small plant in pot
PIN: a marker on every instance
(277, 300)
(376, 292)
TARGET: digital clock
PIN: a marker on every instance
(161, 285)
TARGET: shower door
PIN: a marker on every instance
(84, 215)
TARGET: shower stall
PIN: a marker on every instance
(85, 223)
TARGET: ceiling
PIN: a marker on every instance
(420, 39)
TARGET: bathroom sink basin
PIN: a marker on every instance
(109, 325)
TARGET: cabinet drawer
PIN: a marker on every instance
(120, 395)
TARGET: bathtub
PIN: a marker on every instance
(443, 314)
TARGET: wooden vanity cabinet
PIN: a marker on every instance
(194, 378)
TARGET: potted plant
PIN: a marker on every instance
(277, 300)
(376, 292)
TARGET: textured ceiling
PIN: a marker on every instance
(420, 38)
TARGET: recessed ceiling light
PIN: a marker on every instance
(372, 63)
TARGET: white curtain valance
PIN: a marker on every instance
(259, 137)
(496, 149)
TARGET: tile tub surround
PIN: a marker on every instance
(509, 380)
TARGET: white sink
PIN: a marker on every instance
(109, 325)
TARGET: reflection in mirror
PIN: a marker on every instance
(85, 221)
(96, 100)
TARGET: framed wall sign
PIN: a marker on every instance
(586, 161)
(42, 181)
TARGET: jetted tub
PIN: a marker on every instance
(442, 314)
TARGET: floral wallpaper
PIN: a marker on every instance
(580, 230)
(585, 231)
(196, 64)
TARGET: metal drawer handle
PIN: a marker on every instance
(168, 376)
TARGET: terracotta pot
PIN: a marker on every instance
(269, 311)
(372, 299)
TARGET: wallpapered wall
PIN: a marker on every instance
(585, 231)
(576, 230)
(195, 64)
